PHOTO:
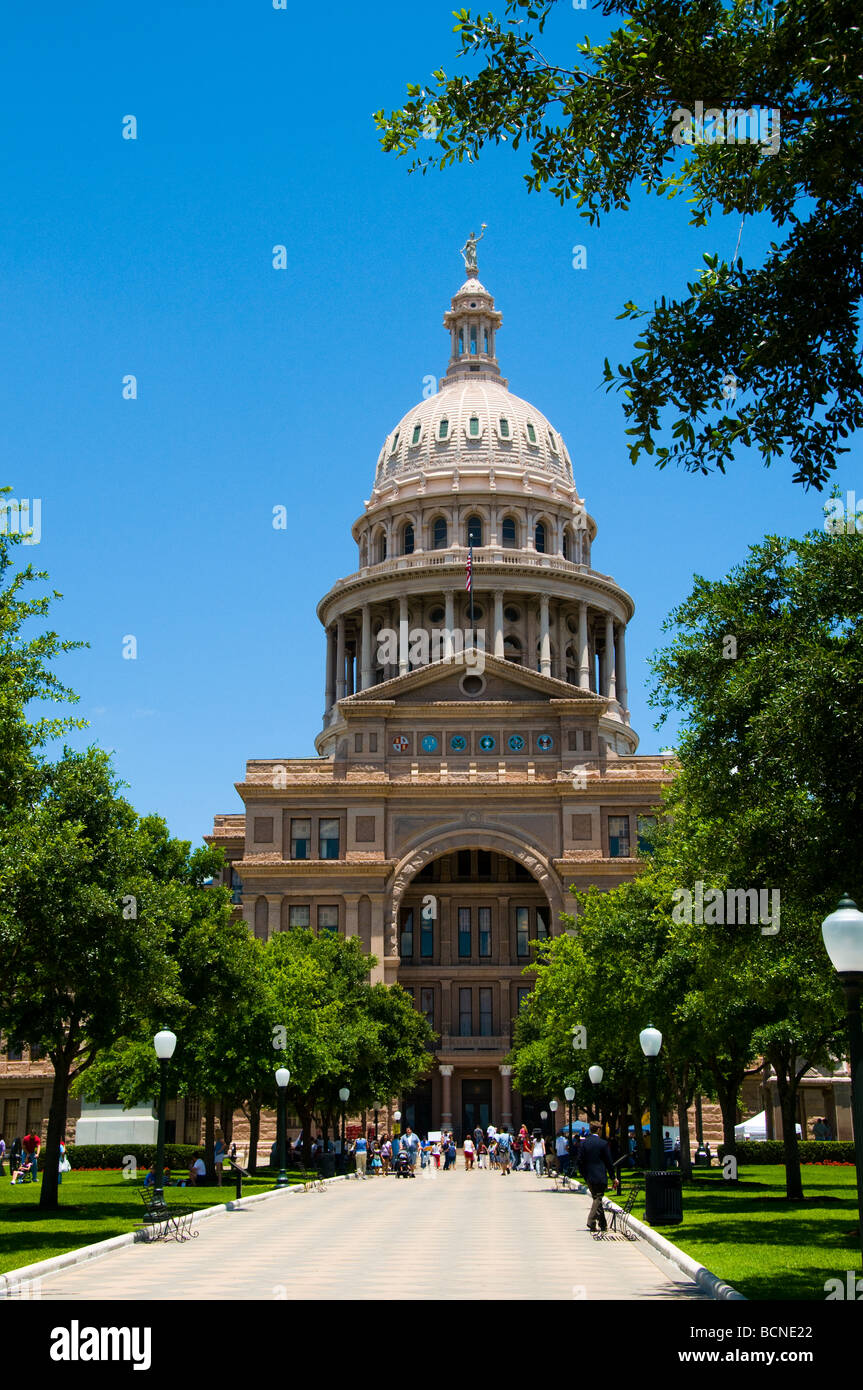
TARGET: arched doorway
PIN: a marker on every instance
(467, 921)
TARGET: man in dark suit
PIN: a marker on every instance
(595, 1166)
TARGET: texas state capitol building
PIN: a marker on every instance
(449, 808)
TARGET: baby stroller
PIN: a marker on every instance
(403, 1165)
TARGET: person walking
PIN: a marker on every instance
(595, 1166)
(386, 1154)
(478, 1137)
(504, 1151)
(469, 1151)
(411, 1143)
(538, 1154)
(220, 1150)
(667, 1147)
(2, 1156)
(361, 1155)
(561, 1144)
(482, 1154)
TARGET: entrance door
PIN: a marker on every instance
(417, 1110)
(475, 1106)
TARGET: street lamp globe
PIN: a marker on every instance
(843, 937)
(651, 1041)
(595, 1074)
(569, 1092)
(344, 1095)
(552, 1105)
(543, 1114)
(164, 1043)
(397, 1114)
(283, 1076)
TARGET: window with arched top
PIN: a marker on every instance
(473, 340)
(510, 532)
(461, 340)
(473, 427)
(381, 547)
(567, 547)
(443, 429)
(439, 533)
(408, 540)
(474, 530)
(415, 437)
(531, 433)
(540, 537)
(485, 341)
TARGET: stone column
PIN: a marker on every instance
(330, 677)
(498, 623)
(352, 657)
(352, 906)
(610, 683)
(530, 655)
(506, 1097)
(544, 638)
(274, 913)
(404, 644)
(446, 1097)
(340, 657)
(583, 649)
(620, 663)
(366, 658)
(449, 623)
(504, 951)
(386, 969)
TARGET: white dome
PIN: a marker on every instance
(473, 422)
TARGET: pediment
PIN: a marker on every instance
(444, 681)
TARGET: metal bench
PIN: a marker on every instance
(163, 1222)
(620, 1215)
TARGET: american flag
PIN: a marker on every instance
(468, 584)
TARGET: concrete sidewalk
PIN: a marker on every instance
(450, 1235)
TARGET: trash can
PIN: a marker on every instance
(328, 1165)
(663, 1197)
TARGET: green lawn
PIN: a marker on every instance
(767, 1247)
(93, 1206)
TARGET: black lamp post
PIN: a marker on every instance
(651, 1041)
(843, 940)
(569, 1092)
(283, 1076)
(552, 1105)
(378, 1108)
(164, 1043)
(344, 1097)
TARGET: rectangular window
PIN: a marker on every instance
(15, 1053)
(485, 1015)
(407, 942)
(588, 741)
(464, 932)
(522, 994)
(328, 919)
(542, 930)
(299, 917)
(328, 835)
(301, 836)
(427, 1005)
(522, 931)
(358, 743)
(263, 830)
(409, 990)
(37, 1052)
(483, 863)
(427, 932)
(236, 887)
(618, 837)
(484, 915)
(10, 1121)
(373, 743)
(34, 1115)
(646, 825)
(463, 863)
(465, 1019)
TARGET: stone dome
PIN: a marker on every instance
(469, 423)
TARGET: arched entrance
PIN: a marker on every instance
(467, 918)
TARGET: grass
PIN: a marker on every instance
(93, 1206)
(749, 1234)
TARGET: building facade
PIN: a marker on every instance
(476, 757)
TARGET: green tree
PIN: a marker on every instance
(785, 329)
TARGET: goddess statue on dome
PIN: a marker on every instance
(468, 251)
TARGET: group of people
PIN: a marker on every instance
(23, 1157)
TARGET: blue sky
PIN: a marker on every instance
(259, 387)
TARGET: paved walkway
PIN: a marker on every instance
(449, 1236)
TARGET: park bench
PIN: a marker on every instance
(163, 1222)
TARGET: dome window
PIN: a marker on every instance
(408, 540)
(473, 340)
(531, 433)
(551, 442)
(510, 535)
(439, 534)
(512, 650)
(473, 427)
(474, 530)
(485, 341)
(443, 429)
(415, 437)
(540, 537)
(395, 443)
(436, 615)
(511, 614)
(461, 341)
(503, 426)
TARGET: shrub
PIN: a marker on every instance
(760, 1151)
(113, 1155)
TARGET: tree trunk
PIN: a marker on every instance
(727, 1091)
(210, 1137)
(254, 1134)
(786, 1085)
(226, 1118)
(683, 1119)
(49, 1158)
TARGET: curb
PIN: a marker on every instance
(26, 1274)
(709, 1283)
